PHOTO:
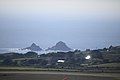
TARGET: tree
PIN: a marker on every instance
(31, 54)
(7, 61)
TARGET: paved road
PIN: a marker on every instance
(45, 75)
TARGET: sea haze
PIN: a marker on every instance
(81, 24)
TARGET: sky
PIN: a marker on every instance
(81, 24)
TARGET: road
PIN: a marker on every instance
(46, 75)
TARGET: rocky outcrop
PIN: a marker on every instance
(34, 47)
(60, 46)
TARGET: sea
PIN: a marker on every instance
(23, 51)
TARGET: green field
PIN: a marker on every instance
(35, 69)
(107, 65)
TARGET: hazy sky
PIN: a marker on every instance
(80, 23)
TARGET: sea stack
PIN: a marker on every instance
(60, 46)
(34, 47)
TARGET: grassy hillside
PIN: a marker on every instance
(107, 65)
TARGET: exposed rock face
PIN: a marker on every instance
(60, 46)
(34, 47)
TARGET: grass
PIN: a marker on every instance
(107, 65)
(34, 69)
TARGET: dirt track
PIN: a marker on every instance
(56, 76)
